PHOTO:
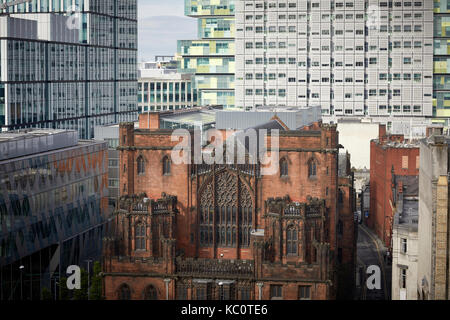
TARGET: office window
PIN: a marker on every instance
(403, 278)
(404, 245)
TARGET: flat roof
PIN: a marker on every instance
(203, 117)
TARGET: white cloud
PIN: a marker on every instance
(159, 35)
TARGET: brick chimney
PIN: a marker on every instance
(382, 132)
(149, 120)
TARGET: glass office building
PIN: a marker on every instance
(211, 57)
(53, 207)
(441, 77)
(68, 64)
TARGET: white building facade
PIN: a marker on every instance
(162, 89)
(405, 246)
(296, 53)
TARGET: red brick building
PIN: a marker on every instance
(199, 231)
(390, 156)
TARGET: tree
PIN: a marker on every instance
(95, 292)
(46, 294)
(82, 294)
(64, 293)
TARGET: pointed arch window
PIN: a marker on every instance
(284, 168)
(140, 165)
(231, 217)
(167, 164)
(312, 168)
(150, 293)
(140, 237)
(124, 292)
(291, 239)
(340, 197)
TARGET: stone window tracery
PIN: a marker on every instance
(228, 210)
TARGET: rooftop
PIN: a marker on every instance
(293, 118)
(16, 144)
(195, 117)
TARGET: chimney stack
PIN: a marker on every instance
(382, 132)
(149, 120)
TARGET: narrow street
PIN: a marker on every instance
(371, 251)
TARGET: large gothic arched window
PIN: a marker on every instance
(232, 217)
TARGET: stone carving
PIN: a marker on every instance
(226, 190)
(212, 267)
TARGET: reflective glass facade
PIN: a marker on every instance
(48, 81)
(211, 58)
(441, 77)
(51, 197)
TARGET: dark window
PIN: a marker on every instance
(124, 292)
(150, 293)
(276, 291)
(140, 165)
(245, 293)
(284, 168)
(203, 292)
(304, 292)
(291, 241)
(312, 168)
(402, 278)
(166, 166)
(139, 237)
(181, 292)
(226, 292)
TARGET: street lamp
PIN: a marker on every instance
(89, 275)
(221, 294)
(21, 281)
(56, 283)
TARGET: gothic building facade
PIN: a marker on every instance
(227, 231)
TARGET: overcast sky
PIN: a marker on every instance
(161, 24)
